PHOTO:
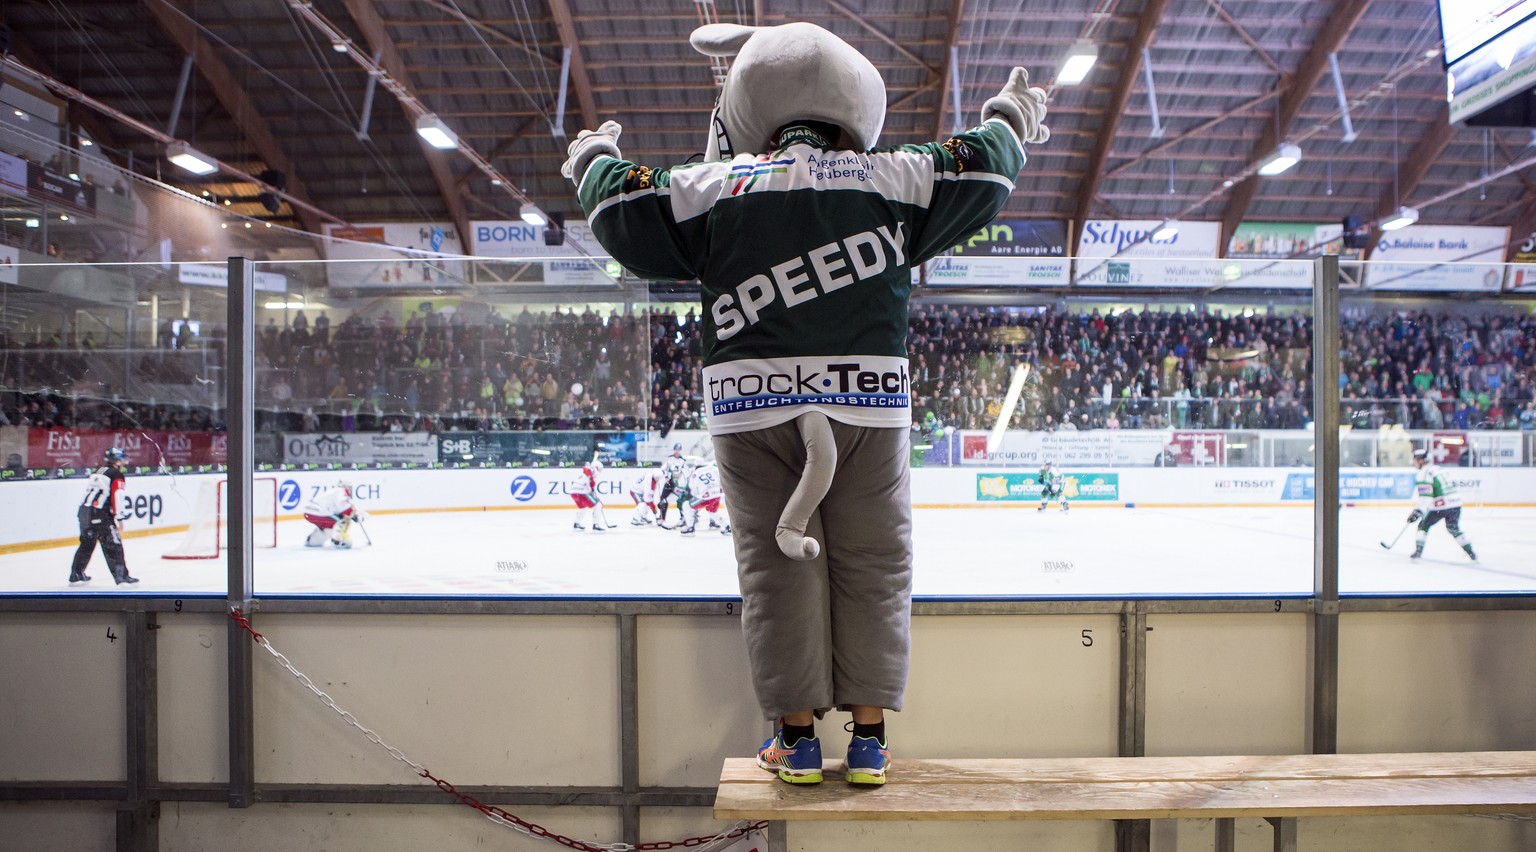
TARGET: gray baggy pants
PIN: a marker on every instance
(834, 630)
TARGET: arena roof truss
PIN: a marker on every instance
(1233, 79)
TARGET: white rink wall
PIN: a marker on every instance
(500, 699)
(44, 510)
(507, 700)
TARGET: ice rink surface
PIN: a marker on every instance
(965, 553)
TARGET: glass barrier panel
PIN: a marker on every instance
(459, 404)
(460, 423)
(112, 425)
(459, 426)
(1438, 396)
(1151, 441)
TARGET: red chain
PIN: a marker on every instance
(234, 612)
(532, 828)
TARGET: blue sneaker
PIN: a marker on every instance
(868, 758)
(797, 764)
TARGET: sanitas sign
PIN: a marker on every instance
(1006, 252)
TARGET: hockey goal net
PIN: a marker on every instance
(208, 534)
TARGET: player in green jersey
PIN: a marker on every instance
(1052, 484)
(1438, 501)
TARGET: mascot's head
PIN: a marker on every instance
(780, 75)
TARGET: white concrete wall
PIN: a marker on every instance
(515, 700)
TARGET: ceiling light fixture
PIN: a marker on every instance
(532, 215)
(1166, 231)
(193, 161)
(339, 46)
(436, 133)
(1078, 62)
(86, 143)
(1402, 218)
(1280, 160)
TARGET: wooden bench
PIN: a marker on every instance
(1276, 787)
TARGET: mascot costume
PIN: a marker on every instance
(803, 236)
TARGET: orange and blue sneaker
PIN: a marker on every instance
(868, 758)
(796, 764)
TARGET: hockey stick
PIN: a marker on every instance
(1398, 536)
(366, 536)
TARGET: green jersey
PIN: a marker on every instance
(804, 258)
(1435, 491)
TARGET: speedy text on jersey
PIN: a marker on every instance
(854, 258)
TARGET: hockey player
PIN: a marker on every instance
(332, 512)
(584, 492)
(643, 491)
(1052, 485)
(704, 498)
(1437, 501)
(674, 476)
(101, 516)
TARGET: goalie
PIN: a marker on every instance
(332, 512)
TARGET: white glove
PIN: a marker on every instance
(588, 146)
(359, 515)
(1022, 106)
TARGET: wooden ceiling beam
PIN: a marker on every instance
(1298, 88)
(1411, 171)
(956, 13)
(380, 44)
(1120, 95)
(581, 81)
(1524, 224)
(226, 87)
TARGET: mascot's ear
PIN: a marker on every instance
(720, 39)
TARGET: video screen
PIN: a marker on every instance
(1469, 24)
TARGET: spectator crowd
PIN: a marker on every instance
(438, 370)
